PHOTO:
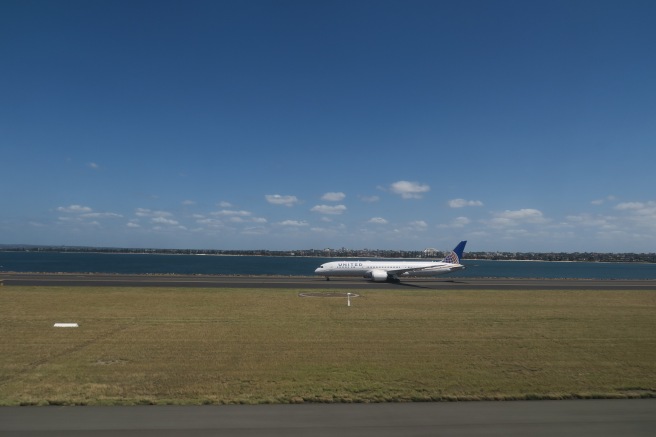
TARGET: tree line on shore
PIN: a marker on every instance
(351, 253)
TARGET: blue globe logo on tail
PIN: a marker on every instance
(456, 254)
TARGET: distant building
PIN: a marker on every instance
(431, 252)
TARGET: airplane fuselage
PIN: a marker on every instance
(391, 270)
(386, 270)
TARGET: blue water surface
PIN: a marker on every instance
(52, 262)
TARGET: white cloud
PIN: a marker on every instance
(409, 190)
(604, 200)
(81, 213)
(208, 221)
(322, 230)
(294, 223)
(407, 231)
(329, 209)
(333, 197)
(418, 225)
(133, 225)
(211, 224)
(231, 216)
(144, 212)
(636, 206)
(587, 220)
(239, 219)
(101, 215)
(164, 221)
(513, 218)
(156, 217)
(93, 165)
(458, 222)
(527, 214)
(169, 229)
(331, 231)
(231, 213)
(640, 214)
(370, 199)
(74, 209)
(378, 220)
(461, 203)
(188, 202)
(224, 204)
(277, 199)
(255, 230)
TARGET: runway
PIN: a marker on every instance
(599, 418)
(446, 283)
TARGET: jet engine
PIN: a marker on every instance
(376, 275)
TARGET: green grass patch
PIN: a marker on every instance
(216, 346)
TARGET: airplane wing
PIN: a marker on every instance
(412, 269)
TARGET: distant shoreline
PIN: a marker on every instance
(587, 257)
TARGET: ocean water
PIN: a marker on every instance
(50, 262)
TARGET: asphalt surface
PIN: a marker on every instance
(446, 283)
(599, 418)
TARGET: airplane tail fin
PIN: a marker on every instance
(456, 254)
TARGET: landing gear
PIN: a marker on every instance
(327, 278)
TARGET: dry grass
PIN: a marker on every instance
(193, 346)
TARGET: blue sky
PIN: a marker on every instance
(517, 125)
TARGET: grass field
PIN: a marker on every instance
(213, 346)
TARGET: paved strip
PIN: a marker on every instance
(70, 280)
(599, 418)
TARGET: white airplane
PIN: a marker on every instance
(382, 271)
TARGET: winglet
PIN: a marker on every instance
(455, 255)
